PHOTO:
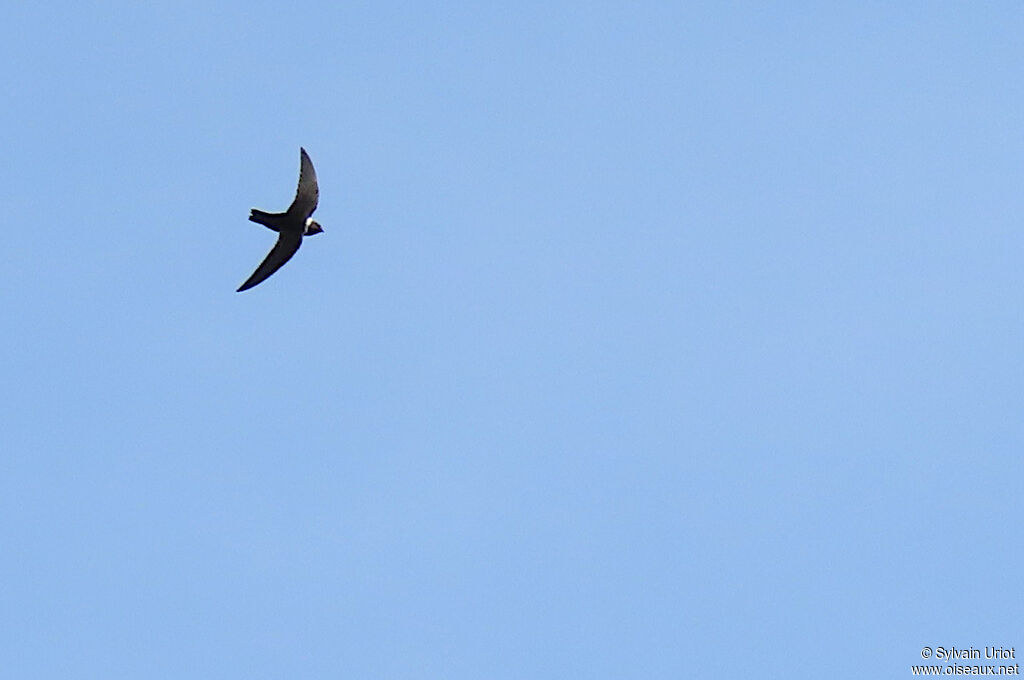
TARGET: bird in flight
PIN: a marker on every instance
(290, 225)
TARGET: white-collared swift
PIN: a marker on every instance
(290, 225)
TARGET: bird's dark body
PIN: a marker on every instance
(291, 225)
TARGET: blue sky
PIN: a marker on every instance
(642, 341)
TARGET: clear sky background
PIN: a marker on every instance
(642, 341)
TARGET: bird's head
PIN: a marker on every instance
(312, 227)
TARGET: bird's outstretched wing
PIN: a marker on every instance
(287, 244)
(307, 196)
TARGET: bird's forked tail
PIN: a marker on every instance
(269, 220)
